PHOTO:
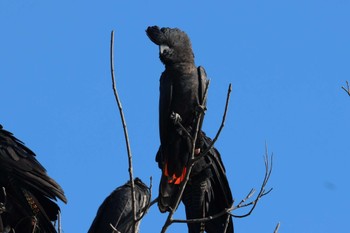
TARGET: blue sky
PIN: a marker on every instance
(286, 60)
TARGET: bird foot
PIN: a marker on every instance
(176, 118)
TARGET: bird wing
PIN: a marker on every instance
(165, 99)
(19, 162)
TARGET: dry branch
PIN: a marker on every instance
(347, 88)
(192, 161)
(59, 227)
(2, 208)
(133, 200)
(144, 211)
(221, 126)
(242, 203)
(277, 228)
(262, 192)
(190, 164)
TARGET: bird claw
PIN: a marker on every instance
(176, 118)
(2, 208)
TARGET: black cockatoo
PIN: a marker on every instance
(116, 209)
(182, 87)
(208, 192)
(28, 194)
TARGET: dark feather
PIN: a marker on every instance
(116, 209)
(30, 192)
(208, 192)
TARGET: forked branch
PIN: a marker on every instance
(262, 191)
(131, 176)
(347, 88)
(189, 165)
(242, 203)
(277, 227)
(193, 159)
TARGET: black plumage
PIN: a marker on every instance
(30, 194)
(182, 86)
(116, 209)
(208, 192)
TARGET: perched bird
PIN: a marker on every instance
(116, 209)
(182, 87)
(208, 192)
(28, 194)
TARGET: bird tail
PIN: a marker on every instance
(174, 179)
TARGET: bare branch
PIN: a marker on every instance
(277, 228)
(125, 132)
(190, 164)
(3, 204)
(221, 126)
(262, 192)
(268, 169)
(2, 208)
(226, 223)
(347, 89)
(120, 217)
(35, 224)
(59, 227)
(144, 211)
(114, 229)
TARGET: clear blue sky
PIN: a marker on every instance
(286, 60)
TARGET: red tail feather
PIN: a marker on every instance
(174, 179)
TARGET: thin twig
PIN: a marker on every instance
(192, 161)
(2, 208)
(262, 192)
(59, 227)
(347, 89)
(133, 200)
(221, 126)
(144, 211)
(268, 169)
(3, 204)
(35, 224)
(277, 228)
(154, 201)
(226, 223)
(114, 229)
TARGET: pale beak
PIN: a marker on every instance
(163, 47)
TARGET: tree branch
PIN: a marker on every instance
(144, 211)
(277, 228)
(2, 208)
(347, 89)
(190, 164)
(59, 227)
(133, 201)
(192, 161)
(221, 126)
(262, 192)
(268, 170)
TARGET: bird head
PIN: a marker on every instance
(174, 44)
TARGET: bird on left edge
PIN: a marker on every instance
(27, 194)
